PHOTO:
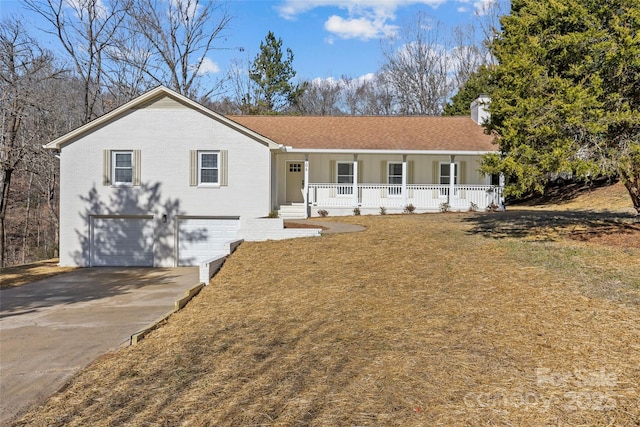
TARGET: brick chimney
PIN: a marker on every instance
(480, 109)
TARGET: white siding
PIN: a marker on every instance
(202, 238)
(164, 137)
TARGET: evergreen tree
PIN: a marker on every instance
(271, 73)
(567, 95)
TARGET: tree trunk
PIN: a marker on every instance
(2, 258)
(53, 203)
(25, 233)
(633, 187)
(6, 182)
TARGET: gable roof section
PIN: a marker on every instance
(362, 133)
(150, 98)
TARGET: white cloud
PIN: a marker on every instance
(369, 19)
(342, 82)
(364, 19)
(290, 8)
(367, 77)
(208, 66)
(80, 8)
(359, 28)
(483, 6)
(189, 8)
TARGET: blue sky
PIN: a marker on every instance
(329, 38)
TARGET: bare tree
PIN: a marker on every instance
(418, 69)
(59, 111)
(321, 98)
(24, 66)
(488, 21)
(366, 95)
(86, 29)
(225, 105)
(369, 95)
(352, 90)
(242, 87)
(174, 41)
(467, 55)
(127, 69)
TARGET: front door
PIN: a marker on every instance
(295, 182)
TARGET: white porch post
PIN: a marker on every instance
(355, 180)
(452, 178)
(501, 183)
(306, 185)
(404, 180)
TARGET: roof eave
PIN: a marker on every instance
(385, 151)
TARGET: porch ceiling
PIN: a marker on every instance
(412, 133)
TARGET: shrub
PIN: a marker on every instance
(323, 213)
(383, 210)
(409, 209)
(356, 211)
(473, 207)
(445, 207)
(493, 207)
(273, 214)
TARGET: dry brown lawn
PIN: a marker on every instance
(599, 196)
(26, 273)
(422, 320)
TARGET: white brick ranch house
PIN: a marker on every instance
(163, 181)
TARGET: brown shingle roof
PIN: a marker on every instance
(371, 132)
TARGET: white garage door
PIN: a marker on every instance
(203, 238)
(118, 241)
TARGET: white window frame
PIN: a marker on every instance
(201, 168)
(114, 167)
(344, 190)
(443, 191)
(394, 191)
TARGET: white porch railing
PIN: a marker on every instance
(421, 196)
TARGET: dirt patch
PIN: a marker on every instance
(419, 320)
(547, 224)
(627, 236)
(22, 274)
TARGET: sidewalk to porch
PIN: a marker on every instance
(328, 227)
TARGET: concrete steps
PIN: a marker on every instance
(292, 211)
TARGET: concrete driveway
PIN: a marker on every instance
(51, 329)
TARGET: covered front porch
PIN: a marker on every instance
(310, 184)
(396, 198)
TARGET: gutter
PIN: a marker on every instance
(383, 151)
